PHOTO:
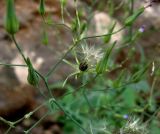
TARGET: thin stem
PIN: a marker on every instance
(82, 86)
(130, 13)
(68, 115)
(87, 100)
(77, 16)
(62, 11)
(41, 92)
(100, 36)
(56, 65)
(8, 130)
(28, 131)
(46, 83)
(12, 65)
(18, 47)
(151, 92)
(59, 24)
(26, 116)
(12, 124)
(9, 123)
(153, 115)
(55, 24)
(58, 105)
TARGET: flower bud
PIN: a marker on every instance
(11, 21)
(42, 7)
(32, 77)
(130, 20)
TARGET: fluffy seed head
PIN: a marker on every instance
(91, 55)
(134, 127)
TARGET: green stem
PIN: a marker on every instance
(151, 92)
(55, 24)
(58, 105)
(153, 115)
(62, 12)
(99, 36)
(18, 47)
(68, 115)
(46, 84)
(8, 130)
(56, 65)
(9, 123)
(87, 100)
(82, 86)
(77, 16)
(130, 13)
(28, 131)
(12, 124)
(12, 65)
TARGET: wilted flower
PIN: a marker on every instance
(133, 126)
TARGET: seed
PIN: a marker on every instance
(83, 66)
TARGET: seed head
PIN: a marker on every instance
(91, 55)
(134, 127)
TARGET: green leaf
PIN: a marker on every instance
(107, 38)
(120, 79)
(129, 97)
(136, 77)
(102, 65)
(74, 25)
(83, 27)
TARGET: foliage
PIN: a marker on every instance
(110, 97)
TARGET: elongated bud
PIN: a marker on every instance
(130, 20)
(33, 77)
(42, 7)
(11, 21)
(102, 65)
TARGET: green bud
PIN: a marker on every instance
(42, 7)
(11, 21)
(102, 65)
(130, 20)
(33, 77)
